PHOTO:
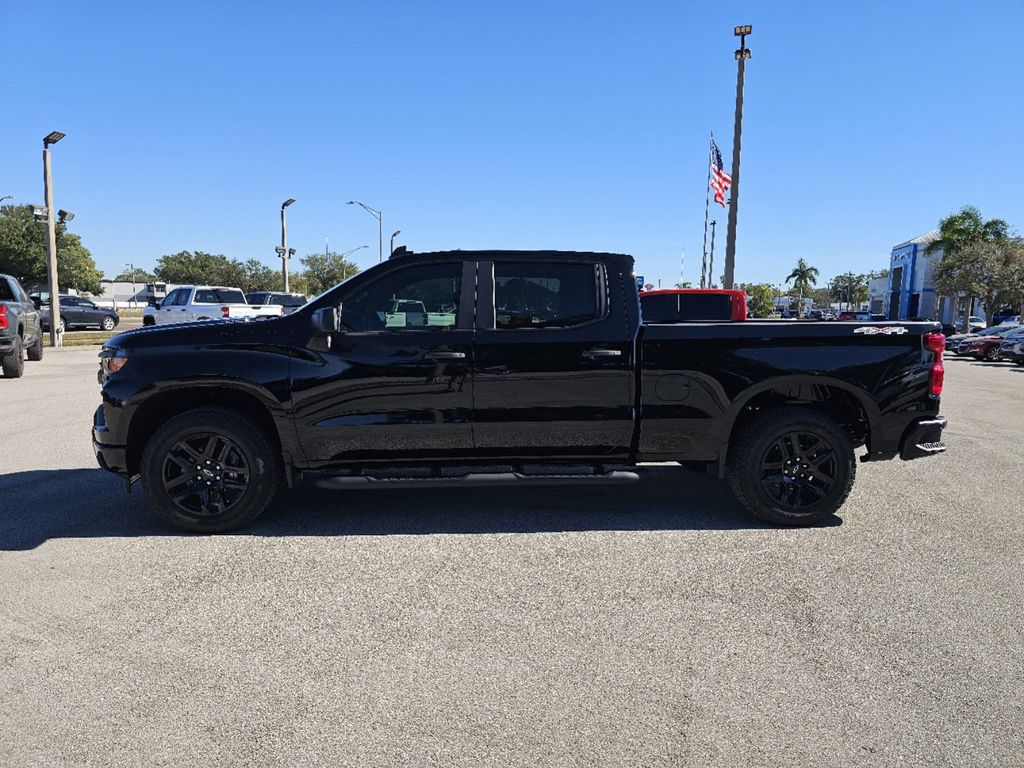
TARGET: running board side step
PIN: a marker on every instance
(341, 482)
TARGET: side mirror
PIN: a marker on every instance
(327, 320)
(156, 305)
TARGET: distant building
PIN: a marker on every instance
(125, 292)
(878, 287)
(912, 289)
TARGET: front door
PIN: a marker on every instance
(394, 382)
(553, 371)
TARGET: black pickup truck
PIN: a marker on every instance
(501, 367)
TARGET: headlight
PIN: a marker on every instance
(112, 360)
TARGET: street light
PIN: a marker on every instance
(51, 235)
(394, 234)
(6, 197)
(344, 268)
(379, 216)
(283, 251)
(131, 267)
(742, 54)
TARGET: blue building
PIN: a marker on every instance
(912, 290)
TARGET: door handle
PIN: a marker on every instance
(444, 355)
(593, 353)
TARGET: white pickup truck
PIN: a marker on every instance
(205, 302)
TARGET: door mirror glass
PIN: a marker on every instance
(327, 320)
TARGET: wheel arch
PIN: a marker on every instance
(162, 406)
(850, 406)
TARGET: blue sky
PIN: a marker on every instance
(573, 125)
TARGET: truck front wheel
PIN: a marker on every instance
(209, 470)
(792, 466)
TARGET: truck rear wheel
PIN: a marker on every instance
(13, 363)
(792, 466)
(210, 470)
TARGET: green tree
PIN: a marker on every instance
(992, 271)
(957, 232)
(200, 268)
(23, 252)
(323, 271)
(850, 289)
(685, 284)
(803, 277)
(760, 298)
(257, 276)
(139, 276)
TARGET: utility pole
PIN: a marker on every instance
(730, 238)
(51, 235)
(283, 251)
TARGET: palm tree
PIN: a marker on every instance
(803, 277)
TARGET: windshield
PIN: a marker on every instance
(219, 296)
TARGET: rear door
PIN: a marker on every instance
(553, 373)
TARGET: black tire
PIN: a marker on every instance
(992, 354)
(792, 466)
(237, 473)
(148, 320)
(108, 323)
(35, 352)
(13, 363)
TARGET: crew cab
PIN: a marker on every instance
(190, 303)
(20, 330)
(434, 369)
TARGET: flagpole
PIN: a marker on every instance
(707, 203)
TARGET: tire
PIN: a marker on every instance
(222, 443)
(108, 323)
(148, 321)
(13, 363)
(805, 492)
(991, 354)
(35, 352)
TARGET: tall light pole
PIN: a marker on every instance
(283, 250)
(51, 235)
(394, 234)
(6, 197)
(132, 268)
(730, 237)
(379, 216)
(344, 269)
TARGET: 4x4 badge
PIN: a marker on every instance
(871, 330)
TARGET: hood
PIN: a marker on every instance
(201, 332)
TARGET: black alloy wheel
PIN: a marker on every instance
(798, 470)
(210, 470)
(205, 474)
(791, 465)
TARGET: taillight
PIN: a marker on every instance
(935, 342)
(225, 311)
(3, 318)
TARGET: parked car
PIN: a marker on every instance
(954, 342)
(288, 301)
(79, 312)
(1012, 348)
(1006, 314)
(190, 303)
(986, 346)
(1010, 320)
(543, 360)
(974, 323)
(20, 330)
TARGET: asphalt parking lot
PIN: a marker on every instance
(648, 625)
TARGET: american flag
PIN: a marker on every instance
(720, 180)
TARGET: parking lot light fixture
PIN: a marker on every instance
(51, 236)
(283, 250)
(394, 234)
(379, 216)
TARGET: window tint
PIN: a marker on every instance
(288, 300)
(544, 295)
(257, 298)
(20, 292)
(218, 296)
(416, 298)
(6, 291)
(171, 298)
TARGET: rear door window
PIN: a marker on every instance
(218, 296)
(6, 291)
(544, 294)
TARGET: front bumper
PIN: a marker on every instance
(109, 455)
(923, 438)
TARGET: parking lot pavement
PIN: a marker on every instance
(654, 625)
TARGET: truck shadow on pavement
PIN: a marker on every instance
(40, 505)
